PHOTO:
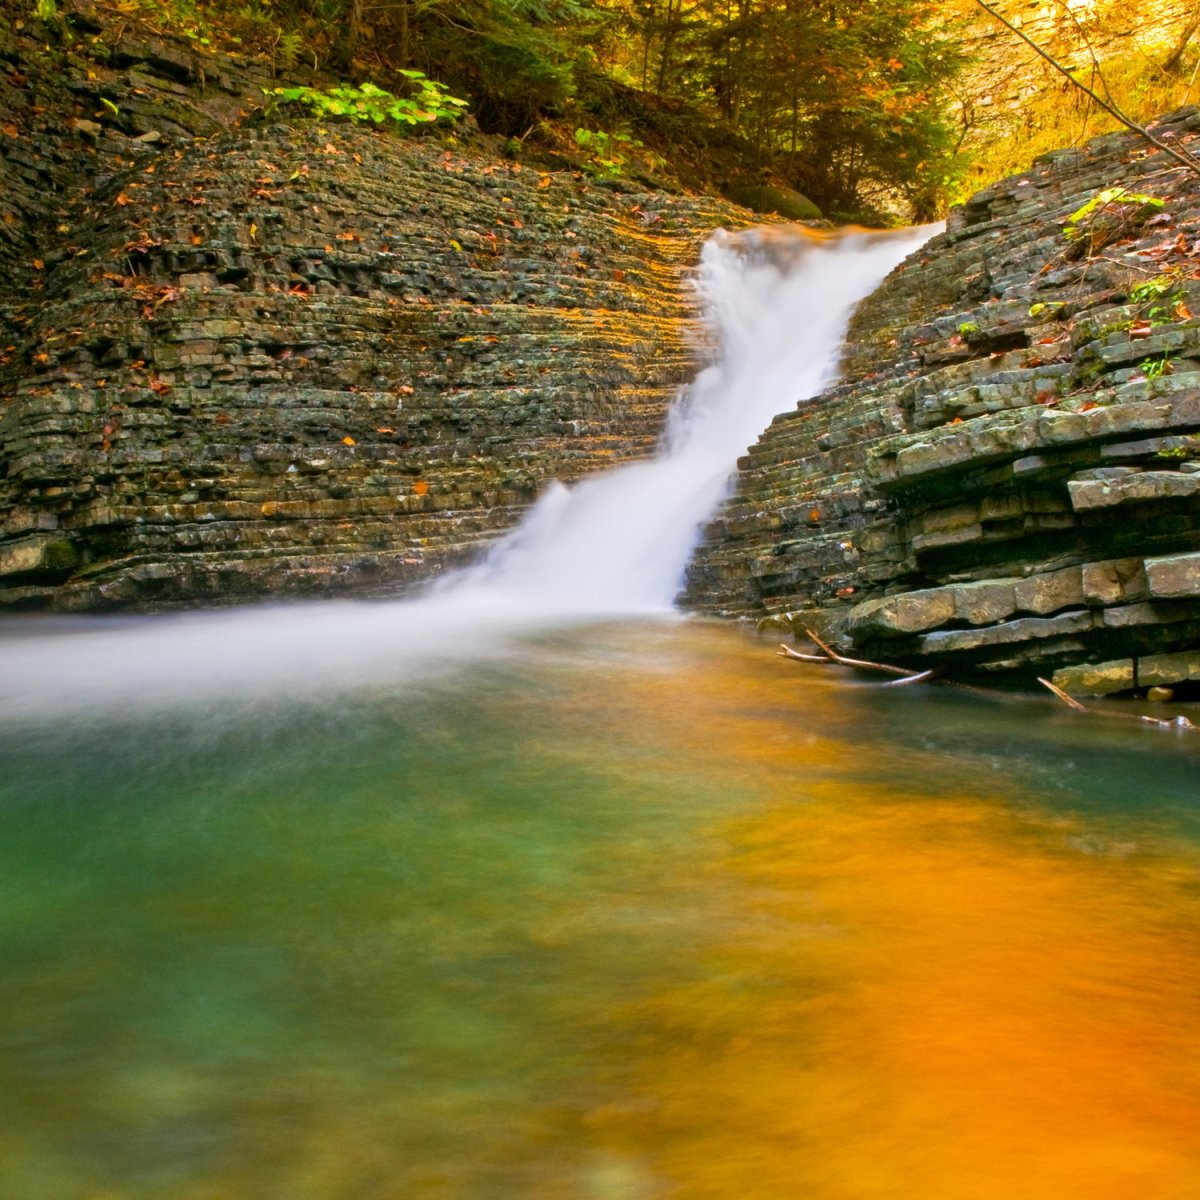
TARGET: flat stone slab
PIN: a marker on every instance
(1145, 487)
(909, 612)
(1010, 633)
(1176, 575)
(1103, 679)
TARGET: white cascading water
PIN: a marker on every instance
(614, 544)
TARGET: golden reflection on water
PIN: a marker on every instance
(648, 915)
(934, 996)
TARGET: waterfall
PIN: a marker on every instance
(775, 307)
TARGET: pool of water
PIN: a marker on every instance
(634, 911)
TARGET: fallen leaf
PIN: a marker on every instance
(349, 441)
(384, 429)
(122, 199)
(420, 487)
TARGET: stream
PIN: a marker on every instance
(533, 888)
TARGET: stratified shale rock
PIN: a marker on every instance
(1007, 479)
(246, 360)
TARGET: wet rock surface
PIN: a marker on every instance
(245, 358)
(1005, 480)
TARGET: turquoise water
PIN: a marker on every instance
(637, 911)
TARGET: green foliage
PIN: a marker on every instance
(1155, 368)
(967, 328)
(1079, 222)
(607, 151)
(1156, 288)
(46, 10)
(844, 102)
(1046, 308)
(366, 102)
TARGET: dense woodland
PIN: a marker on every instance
(879, 109)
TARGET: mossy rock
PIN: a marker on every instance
(767, 198)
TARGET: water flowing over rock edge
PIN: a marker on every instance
(252, 361)
(1004, 483)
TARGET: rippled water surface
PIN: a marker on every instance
(636, 911)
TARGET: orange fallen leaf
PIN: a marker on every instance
(420, 487)
(123, 199)
(384, 429)
(1182, 311)
(349, 441)
(10, 130)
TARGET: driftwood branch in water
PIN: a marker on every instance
(920, 677)
(831, 656)
(787, 652)
(862, 664)
(1071, 702)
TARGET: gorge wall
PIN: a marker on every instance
(1007, 479)
(239, 358)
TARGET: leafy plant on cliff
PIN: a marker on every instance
(367, 102)
(1128, 207)
(607, 151)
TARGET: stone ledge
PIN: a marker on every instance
(1155, 670)
(1176, 575)
(1011, 633)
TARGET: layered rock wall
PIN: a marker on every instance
(244, 357)
(1008, 477)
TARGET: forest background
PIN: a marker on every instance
(869, 110)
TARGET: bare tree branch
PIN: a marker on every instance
(1180, 156)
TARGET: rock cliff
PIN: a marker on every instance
(1007, 479)
(242, 359)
